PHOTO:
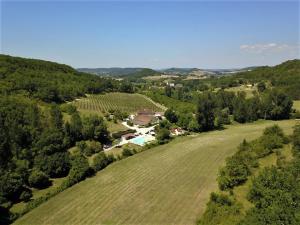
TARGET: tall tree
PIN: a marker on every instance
(56, 117)
(205, 112)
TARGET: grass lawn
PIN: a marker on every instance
(168, 184)
(114, 127)
(117, 151)
(247, 90)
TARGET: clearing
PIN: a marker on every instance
(168, 184)
(296, 105)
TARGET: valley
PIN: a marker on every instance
(169, 184)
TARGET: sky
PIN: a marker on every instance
(154, 34)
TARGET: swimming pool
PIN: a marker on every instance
(138, 140)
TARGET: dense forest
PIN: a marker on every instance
(211, 110)
(35, 138)
(48, 81)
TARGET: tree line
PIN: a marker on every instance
(214, 109)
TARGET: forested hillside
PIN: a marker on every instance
(35, 138)
(48, 81)
(285, 76)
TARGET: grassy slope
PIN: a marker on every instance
(169, 184)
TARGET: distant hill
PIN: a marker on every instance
(122, 72)
(114, 71)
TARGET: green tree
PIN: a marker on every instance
(261, 87)
(38, 179)
(168, 91)
(163, 135)
(240, 109)
(56, 117)
(171, 115)
(54, 165)
(80, 169)
(75, 128)
(205, 112)
(100, 161)
(277, 105)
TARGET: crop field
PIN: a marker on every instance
(168, 184)
(129, 103)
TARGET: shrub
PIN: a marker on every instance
(11, 187)
(128, 152)
(38, 179)
(95, 146)
(25, 195)
(129, 123)
(272, 138)
(55, 165)
(296, 138)
(80, 169)
(163, 135)
(171, 115)
(100, 161)
(68, 108)
(221, 207)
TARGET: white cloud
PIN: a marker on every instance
(269, 48)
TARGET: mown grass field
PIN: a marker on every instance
(169, 184)
(129, 103)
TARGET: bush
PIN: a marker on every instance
(129, 123)
(89, 149)
(128, 152)
(55, 165)
(100, 161)
(273, 137)
(163, 135)
(296, 138)
(26, 195)
(235, 173)
(68, 108)
(171, 115)
(95, 146)
(11, 187)
(220, 208)
(38, 179)
(79, 171)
